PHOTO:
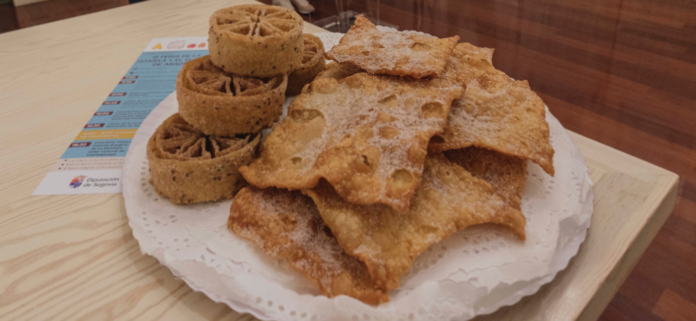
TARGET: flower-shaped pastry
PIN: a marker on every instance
(256, 40)
(313, 63)
(189, 167)
(219, 103)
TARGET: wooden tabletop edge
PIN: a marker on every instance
(613, 280)
(611, 152)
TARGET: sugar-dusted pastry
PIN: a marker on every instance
(189, 167)
(507, 174)
(256, 40)
(448, 199)
(366, 134)
(313, 63)
(219, 103)
(392, 53)
(500, 114)
(287, 226)
(467, 63)
(338, 71)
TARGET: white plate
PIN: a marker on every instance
(474, 272)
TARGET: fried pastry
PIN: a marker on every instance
(475, 53)
(338, 71)
(189, 167)
(286, 225)
(500, 114)
(392, 53)
(219, 103)
(506, 173)
(367, 135)
(256, 40)
(313, 63)
(448, 199)
(467, 63)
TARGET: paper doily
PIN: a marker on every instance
(476, 271)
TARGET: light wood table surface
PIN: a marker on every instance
(74, 257)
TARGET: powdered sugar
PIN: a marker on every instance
(392, 52)
(473, 272)
(367, 135)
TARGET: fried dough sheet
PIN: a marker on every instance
(287, 226)
(313, 63)
(220, 103)
(448, 199)
(392, 53)
(189, 167)
(338, 71)
(467, 63)
(366, 134)
(499, 114)
(506, 173)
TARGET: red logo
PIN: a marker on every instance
(77, 181)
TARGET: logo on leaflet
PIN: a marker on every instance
(179, 44)
(77, 181)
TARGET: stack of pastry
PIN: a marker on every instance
(400, 142)
(403, 140)
(257, 54)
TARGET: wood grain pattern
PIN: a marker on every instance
(620, 72)
(673, 307)
(74, 257)
(8, 18)
(18, 3)
(53, 10)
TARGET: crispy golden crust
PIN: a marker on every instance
(392, 53)
(506, 173)
(475, 53)
(448, 199)
(313, 63)
(338, 71)
(467, 63)
(188, 167)
(218, 103)
(500, 114)
(286, 225)
(256, 40)
(366, 134)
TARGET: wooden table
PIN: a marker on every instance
(72, 257)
